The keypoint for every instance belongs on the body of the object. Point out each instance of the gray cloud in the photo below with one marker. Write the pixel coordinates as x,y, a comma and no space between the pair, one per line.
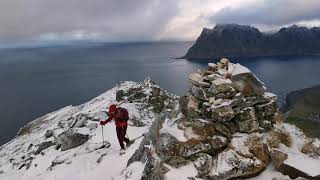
112,19
270,12
138,20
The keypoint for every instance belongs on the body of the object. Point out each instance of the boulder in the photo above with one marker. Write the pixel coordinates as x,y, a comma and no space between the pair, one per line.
48,133
71,139
198,92
222,88
248,126
212,67
231,165
119,95
259,150
246,114
278,157
222,112
224,61
295,165
44,145
266,125
266,110
192,108
247,83
197,79
212,77
155,91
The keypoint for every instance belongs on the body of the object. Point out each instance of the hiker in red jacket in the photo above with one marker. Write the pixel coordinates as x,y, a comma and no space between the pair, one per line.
121,116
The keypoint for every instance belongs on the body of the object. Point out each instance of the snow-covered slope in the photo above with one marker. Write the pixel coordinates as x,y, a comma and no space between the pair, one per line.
227,127
23,157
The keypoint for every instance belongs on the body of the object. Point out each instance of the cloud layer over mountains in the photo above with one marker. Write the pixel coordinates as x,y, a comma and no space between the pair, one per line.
143,20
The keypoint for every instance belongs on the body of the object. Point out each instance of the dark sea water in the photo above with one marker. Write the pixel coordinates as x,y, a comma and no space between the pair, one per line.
38,80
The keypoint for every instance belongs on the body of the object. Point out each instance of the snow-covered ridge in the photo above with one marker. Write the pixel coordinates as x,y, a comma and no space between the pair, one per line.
66,144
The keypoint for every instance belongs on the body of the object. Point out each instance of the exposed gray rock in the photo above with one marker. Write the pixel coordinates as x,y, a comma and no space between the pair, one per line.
223,112
266,110
155,91
192,108
48,133
43,146
248,126
71,139
248,84
246,114
222,88
143,153
154,170
119,95
200,93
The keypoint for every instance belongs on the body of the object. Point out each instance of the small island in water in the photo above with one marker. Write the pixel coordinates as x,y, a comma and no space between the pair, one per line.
233,40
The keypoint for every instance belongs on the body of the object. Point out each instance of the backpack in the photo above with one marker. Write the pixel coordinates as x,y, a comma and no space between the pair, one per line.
122,114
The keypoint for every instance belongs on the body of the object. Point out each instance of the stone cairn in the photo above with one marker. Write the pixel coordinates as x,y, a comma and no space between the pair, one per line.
231,94
223,100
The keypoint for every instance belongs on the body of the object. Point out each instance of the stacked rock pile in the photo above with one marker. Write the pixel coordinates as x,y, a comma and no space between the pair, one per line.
231,93
212,127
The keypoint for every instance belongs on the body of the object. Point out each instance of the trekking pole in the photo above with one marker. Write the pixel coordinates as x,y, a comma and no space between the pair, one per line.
102,136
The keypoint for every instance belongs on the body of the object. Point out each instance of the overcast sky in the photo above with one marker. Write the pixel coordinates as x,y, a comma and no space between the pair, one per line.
144,20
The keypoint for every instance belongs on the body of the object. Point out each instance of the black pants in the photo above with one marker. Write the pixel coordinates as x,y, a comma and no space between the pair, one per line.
121,134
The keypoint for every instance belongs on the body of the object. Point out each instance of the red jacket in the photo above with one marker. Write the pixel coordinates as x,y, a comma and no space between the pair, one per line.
118,115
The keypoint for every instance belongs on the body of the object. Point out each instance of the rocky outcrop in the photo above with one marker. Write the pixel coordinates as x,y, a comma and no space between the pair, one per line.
204,127
232,40
71,139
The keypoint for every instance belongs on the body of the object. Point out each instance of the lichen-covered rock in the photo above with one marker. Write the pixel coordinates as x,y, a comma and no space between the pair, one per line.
198,92
222,112
266,110
222,88
248,126
246,114
230,164
71,139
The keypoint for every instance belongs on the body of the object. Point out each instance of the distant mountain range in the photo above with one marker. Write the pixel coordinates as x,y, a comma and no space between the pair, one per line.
233,40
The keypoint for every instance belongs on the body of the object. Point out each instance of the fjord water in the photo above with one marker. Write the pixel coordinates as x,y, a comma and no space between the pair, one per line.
36,80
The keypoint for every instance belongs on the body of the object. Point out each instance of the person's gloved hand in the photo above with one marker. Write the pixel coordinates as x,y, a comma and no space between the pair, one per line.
102,123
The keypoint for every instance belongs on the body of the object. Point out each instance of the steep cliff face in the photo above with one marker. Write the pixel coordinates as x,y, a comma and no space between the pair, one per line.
232,40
